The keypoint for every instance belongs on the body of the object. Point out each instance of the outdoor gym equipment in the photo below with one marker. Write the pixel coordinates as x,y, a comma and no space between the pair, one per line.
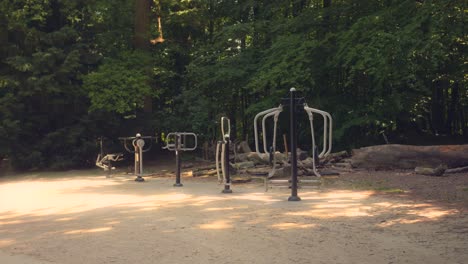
138,144
295,105
222,151
104,161
178,141
267,113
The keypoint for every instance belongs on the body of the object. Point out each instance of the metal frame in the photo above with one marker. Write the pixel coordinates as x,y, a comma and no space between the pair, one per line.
224,146
179,141
273,112
105,161
294,104
279,108
138,144
182,138
109,158
327,119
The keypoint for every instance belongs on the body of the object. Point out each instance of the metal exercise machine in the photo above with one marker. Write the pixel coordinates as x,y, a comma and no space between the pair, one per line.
177,142
222,152
105,161
138,148
274,112
295,105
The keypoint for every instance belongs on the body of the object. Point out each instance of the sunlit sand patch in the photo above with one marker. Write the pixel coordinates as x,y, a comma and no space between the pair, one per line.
285,226
64,219
260,197
219,209
413,205
432,213
14,222
400,221
346,195
340,196
6,242
9,215
63,197
420,215
336,205
220,224
332,213
93,230
146,209
225,208
383,204
402,205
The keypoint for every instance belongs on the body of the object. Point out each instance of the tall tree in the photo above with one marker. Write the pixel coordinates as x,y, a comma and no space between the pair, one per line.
142,37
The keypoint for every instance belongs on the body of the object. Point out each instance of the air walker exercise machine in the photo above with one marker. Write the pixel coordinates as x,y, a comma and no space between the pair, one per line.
105,161
177,142
295,105
222,152
138,144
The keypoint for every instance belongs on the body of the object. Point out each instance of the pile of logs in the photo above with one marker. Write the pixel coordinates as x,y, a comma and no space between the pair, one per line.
425,160
244,161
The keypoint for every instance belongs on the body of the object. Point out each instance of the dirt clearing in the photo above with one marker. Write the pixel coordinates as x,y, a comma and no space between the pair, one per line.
82,217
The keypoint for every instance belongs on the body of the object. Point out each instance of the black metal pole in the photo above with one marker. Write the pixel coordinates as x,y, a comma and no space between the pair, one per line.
227,184
292,121
177,154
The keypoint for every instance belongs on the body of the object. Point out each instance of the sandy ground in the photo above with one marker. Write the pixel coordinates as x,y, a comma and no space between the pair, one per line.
83,217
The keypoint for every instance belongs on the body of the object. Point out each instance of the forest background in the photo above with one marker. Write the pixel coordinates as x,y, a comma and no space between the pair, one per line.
72,71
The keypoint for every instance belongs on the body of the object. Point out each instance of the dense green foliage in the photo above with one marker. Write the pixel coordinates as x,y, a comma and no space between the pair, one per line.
71,71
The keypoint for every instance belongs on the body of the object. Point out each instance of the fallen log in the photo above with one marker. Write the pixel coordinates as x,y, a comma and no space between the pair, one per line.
244,165
334,157
394,156
208,167
263,171
203,173
264,158
457,170
241,179
439,171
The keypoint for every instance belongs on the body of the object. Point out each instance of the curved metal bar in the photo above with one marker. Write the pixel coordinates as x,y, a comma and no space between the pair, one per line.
149,147
327,129
126,146
311,118
126,139
223,161
265,145
170,147
256,127
325,122
178,136
185,134
225,120
217,160
272,172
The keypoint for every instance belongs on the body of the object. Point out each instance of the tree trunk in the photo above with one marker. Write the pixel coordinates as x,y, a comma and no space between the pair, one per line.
142,24
142,37
409,157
